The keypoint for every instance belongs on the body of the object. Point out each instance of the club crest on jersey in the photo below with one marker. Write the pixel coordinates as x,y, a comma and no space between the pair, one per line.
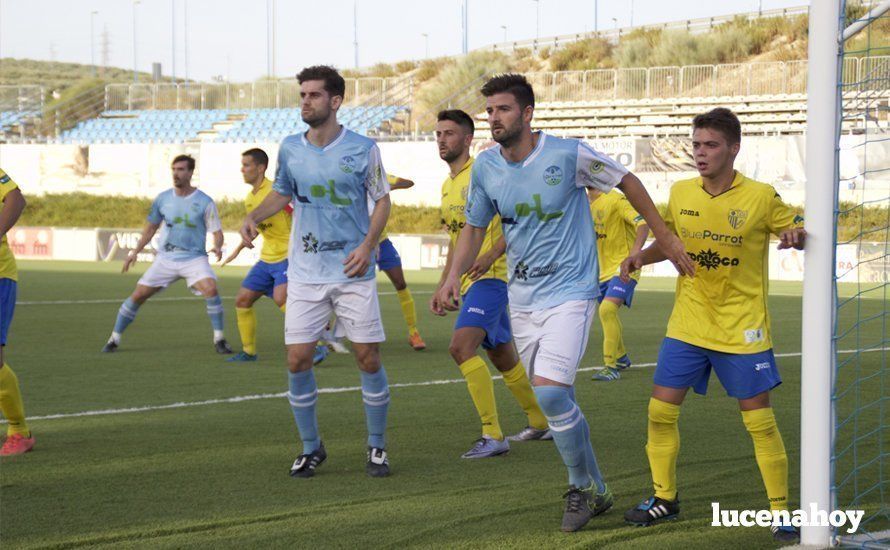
737,218
553,175
464,193
310,243
347,164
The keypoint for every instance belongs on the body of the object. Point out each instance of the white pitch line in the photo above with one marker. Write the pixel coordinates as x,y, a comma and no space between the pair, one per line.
161,299
242,398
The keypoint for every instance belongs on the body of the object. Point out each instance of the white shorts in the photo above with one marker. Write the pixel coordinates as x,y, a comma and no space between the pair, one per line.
309,308
162,272
552,341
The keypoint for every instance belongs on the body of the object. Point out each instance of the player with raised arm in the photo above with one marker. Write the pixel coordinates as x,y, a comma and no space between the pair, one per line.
620,232
333,174
19,439
483,319
268,277
184,214
536,183
720,319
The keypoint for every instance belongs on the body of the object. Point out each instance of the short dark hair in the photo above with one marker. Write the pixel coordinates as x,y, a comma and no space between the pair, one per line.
723,120
333,82
258,155
459,117
185,158
511,83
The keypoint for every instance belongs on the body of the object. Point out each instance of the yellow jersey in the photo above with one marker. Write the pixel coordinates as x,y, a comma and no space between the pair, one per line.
275,229
615,222
7,260
454,200
723,308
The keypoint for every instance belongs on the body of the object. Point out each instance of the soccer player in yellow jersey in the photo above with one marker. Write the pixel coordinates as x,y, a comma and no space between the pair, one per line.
268,277
19,438
620,232
483,318
720,319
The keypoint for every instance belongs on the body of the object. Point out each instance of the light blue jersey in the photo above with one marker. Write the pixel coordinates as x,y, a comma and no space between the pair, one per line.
551,245
332,188
185,222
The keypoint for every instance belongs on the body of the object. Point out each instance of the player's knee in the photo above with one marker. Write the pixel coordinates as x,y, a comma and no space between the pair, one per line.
298,361
460,350
661,412
139,296
554,400
243,301
367,358
760,421
608,310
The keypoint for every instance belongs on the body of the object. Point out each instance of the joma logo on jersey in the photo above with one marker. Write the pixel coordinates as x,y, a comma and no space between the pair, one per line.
685,212
185,221
737,218
712,260
320,191
347,164
524,209
310,243
553,175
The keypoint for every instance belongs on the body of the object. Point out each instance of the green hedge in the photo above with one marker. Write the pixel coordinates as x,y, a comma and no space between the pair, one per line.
83,210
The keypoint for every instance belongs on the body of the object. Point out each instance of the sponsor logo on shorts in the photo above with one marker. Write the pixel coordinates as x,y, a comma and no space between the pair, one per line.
476,310
762,366
617,288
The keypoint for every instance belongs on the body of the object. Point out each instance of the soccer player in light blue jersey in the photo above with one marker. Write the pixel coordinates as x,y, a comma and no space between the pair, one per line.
184,215
536,183
340,195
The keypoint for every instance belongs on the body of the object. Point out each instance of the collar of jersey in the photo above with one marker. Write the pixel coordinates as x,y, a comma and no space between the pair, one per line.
330,145
464,167
190,195
266,182
736,181
531,156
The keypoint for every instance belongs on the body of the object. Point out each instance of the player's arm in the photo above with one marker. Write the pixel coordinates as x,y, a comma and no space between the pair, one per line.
358,261
435,304
669,243
786,224
214,225
233,255
217,244
13,206
270,206
484,262
147,233
634,219
396,183
467,250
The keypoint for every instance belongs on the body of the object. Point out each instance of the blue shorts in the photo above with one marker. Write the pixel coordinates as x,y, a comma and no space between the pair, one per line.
7,306
743,375
387,256
264,277
485,306
616,288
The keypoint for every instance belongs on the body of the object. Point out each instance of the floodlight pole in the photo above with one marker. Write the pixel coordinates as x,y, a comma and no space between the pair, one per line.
135,74
355,30
173,39
92,41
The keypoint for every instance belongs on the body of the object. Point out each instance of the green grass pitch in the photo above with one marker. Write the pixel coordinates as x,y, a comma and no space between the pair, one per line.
207,475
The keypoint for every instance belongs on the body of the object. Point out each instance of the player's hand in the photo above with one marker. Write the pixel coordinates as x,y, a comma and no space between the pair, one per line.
792,238
248,232
449,294
436,305
632,263
218,253
672,247
481,266
129,261
358,261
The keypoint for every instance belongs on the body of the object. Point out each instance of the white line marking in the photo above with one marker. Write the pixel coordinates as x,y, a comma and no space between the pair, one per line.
242,398
161,299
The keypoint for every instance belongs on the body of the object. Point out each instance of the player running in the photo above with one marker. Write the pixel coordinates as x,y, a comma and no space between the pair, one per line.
19,439
268,277
483,318
720,319
620,232
536,183
187,214
333,174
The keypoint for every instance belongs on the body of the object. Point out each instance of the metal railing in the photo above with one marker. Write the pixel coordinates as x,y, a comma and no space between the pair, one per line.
21,98
264,94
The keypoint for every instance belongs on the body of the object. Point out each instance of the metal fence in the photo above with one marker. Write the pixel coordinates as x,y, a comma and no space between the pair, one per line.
731,79
21,98
268,94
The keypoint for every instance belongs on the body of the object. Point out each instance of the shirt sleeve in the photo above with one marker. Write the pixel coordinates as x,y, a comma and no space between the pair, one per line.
594,169
284,184
480,209
6,185
211,218
782,216
154,213
630,215
376,180
669,214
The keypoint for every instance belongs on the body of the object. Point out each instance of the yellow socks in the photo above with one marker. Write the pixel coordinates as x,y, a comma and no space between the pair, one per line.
770,453
11,402
408,312
613,342
247,328
663,447
518,383
481,389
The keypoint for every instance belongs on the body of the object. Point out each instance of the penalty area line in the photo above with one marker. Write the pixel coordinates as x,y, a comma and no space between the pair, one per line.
345,389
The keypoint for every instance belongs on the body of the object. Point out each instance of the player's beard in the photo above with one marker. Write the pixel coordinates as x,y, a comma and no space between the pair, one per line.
450,154
509,135
316,118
